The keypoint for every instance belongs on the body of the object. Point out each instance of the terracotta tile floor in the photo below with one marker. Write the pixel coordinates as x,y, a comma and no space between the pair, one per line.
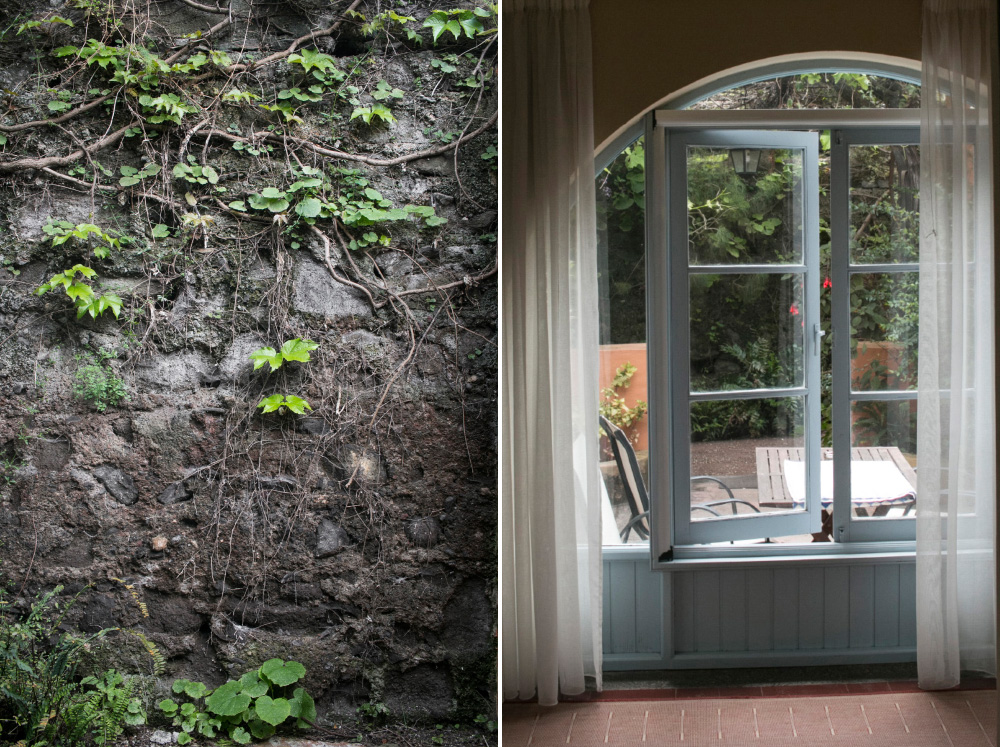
963,718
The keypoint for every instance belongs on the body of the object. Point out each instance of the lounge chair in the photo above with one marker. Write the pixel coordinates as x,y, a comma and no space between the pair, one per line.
635,488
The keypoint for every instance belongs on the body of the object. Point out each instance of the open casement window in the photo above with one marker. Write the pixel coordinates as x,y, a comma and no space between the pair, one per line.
782,318
744,333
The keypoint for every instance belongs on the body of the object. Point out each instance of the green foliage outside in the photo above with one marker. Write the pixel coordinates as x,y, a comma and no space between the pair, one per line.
613,405
735,339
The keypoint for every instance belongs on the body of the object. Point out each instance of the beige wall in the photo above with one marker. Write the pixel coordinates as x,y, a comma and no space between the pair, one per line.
645,50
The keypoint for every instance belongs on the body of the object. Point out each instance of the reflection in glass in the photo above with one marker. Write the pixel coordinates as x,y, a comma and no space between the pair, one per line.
885,204
746,331
737,452
884,458
884,334
754,218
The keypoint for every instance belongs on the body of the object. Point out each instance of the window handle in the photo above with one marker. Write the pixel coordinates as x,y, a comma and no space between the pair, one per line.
818,333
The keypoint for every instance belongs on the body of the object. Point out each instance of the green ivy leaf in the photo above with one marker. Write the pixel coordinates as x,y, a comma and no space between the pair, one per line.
296,404
161,231
184,738
58,106
238,205
266,355
228,700
280,672
272,711
191,689
253,685
303,708
272,403
294,350
259,729
240,735
168,706
128,181
309,207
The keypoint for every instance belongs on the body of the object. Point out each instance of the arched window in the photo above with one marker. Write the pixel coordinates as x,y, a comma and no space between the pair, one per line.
774,261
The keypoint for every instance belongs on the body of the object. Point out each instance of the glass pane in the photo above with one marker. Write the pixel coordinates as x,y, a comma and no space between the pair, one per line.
884,335
621,247
884,458
621,260
739,451
885,202
749,218
746,331
830,90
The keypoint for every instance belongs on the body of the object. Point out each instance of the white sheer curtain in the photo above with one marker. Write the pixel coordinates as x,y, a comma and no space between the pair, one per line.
956,625
551,519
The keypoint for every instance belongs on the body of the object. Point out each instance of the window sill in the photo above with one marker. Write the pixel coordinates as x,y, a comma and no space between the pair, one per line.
762,556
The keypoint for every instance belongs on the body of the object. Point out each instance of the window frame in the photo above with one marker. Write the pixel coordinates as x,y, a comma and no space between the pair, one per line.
856,537
808,520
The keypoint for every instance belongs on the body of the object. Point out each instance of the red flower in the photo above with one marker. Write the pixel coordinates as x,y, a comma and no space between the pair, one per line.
793,310
827,283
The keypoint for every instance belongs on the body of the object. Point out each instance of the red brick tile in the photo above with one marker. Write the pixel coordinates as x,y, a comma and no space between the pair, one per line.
740,692
803,691
693,693
868,687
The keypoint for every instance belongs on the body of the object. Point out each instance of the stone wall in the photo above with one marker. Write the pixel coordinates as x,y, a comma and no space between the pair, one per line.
358,538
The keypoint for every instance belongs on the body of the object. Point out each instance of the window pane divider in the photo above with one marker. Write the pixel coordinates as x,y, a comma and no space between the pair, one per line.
798,391
889,394
887,267
744,269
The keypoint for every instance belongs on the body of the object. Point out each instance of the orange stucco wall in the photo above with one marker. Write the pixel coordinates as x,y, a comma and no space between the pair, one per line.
644,50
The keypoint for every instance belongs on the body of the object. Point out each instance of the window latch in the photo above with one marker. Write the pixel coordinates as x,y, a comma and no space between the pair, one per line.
818,333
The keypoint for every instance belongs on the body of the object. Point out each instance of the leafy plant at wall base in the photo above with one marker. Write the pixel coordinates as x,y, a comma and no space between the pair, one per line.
244,709
41,703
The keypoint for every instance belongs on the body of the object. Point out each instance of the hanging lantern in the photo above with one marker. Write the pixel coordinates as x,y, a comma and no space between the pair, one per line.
745,160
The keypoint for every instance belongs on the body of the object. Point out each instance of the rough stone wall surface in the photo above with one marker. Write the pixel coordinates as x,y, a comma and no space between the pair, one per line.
357,538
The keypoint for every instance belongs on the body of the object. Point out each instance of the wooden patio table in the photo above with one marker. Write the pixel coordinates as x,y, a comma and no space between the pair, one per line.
772,488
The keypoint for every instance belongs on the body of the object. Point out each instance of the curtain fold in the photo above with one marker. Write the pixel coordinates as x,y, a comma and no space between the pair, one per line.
956,623
550,514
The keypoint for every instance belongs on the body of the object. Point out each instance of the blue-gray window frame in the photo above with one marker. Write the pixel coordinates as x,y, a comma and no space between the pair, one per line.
747,525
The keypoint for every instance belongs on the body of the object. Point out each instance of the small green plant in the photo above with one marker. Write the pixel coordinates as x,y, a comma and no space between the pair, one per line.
131,175
31,25
194,173
613,405
277,401
108,706
456,22
251,707
292,350
367,113
62,231
376,713
97,384
82,294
